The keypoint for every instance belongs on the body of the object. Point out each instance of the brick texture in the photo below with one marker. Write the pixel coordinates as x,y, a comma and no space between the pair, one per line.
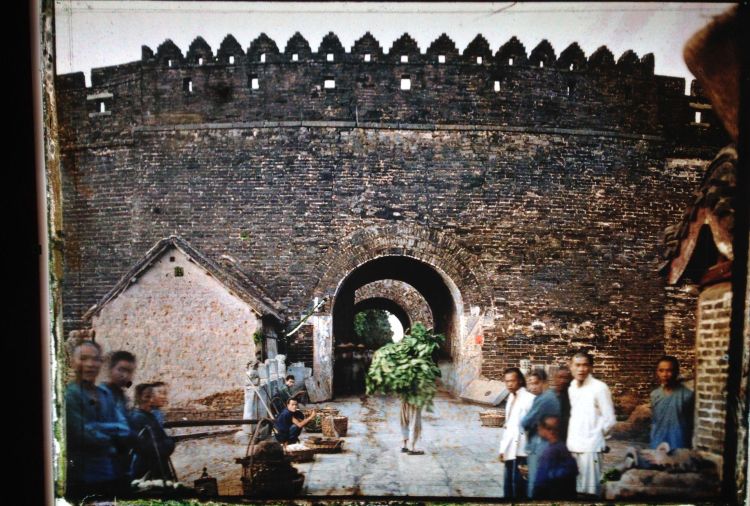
711,348
542,202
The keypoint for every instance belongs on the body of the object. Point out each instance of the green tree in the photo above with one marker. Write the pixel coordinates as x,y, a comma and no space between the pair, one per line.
373,328
406,368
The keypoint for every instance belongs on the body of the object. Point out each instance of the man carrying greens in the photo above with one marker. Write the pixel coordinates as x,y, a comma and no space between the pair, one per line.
408,370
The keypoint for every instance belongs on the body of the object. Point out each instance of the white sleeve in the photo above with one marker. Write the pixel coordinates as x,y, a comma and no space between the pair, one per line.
604,401
504,441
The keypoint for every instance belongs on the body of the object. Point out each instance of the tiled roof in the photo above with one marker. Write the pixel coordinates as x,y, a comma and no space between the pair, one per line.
226,273
714,206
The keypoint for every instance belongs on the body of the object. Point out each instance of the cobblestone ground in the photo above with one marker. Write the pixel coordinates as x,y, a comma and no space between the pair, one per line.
460,455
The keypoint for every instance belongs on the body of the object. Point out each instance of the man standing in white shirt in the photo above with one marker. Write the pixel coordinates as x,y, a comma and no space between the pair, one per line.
592,415
513,442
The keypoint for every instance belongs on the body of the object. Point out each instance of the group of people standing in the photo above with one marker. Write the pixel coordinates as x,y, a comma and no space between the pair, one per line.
109,443
554,438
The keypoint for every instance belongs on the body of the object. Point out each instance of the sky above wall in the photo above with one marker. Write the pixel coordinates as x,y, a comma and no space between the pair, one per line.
94,34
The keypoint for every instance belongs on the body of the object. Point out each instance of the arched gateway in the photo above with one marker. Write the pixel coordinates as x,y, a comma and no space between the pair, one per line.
439,270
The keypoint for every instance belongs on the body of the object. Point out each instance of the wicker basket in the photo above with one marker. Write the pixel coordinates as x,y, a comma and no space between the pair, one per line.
282,487
299,456
314,425
325,445
492,418
267,471
335,426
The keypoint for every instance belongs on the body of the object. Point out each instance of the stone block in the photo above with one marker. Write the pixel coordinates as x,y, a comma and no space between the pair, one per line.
273,367
483,391
299,372
315,392
263,372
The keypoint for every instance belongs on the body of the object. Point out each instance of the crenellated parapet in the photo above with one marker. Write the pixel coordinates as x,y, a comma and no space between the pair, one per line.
230,51
509,88
511,53
297,47
542,55
368,45
445,47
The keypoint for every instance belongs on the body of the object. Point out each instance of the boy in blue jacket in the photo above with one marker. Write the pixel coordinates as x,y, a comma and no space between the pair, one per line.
557,469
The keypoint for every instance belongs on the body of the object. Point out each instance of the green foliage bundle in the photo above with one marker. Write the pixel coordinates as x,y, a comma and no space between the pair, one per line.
373,328
406,368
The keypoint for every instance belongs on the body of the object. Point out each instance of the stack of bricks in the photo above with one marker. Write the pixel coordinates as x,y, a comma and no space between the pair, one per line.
227,404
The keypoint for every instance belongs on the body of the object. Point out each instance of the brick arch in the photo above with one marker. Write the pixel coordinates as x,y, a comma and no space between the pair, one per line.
433,247
402,294
449,277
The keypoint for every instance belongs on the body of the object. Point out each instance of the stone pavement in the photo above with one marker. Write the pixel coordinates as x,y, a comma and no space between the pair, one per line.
460,455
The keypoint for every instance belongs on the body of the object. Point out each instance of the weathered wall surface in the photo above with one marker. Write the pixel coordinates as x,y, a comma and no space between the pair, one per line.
711,348
555,184
567,240
680,325
185,330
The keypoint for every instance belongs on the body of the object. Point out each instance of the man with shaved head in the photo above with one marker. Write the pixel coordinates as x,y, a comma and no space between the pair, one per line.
592,415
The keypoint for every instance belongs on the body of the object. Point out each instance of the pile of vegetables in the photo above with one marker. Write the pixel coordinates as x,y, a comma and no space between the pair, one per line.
406,368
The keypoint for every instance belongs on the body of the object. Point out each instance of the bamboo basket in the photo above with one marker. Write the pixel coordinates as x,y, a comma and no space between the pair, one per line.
325,445
492,418
314,425
335,426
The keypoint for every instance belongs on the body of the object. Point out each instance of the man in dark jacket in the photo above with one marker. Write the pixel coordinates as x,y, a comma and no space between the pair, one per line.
290,422
153,447
557,469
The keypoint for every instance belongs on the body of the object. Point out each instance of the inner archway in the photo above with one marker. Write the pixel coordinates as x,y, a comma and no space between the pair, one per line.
400,294
434,286
385,304
374,327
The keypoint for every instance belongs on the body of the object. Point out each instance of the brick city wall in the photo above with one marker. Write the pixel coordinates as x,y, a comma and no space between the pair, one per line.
510,87
559,196
712,346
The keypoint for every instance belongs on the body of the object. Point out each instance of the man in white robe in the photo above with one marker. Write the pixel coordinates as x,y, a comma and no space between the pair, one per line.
513,443
592,415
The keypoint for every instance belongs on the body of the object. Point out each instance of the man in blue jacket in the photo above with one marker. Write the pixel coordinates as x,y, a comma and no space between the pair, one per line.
121,368
671,407
153,447
94,433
